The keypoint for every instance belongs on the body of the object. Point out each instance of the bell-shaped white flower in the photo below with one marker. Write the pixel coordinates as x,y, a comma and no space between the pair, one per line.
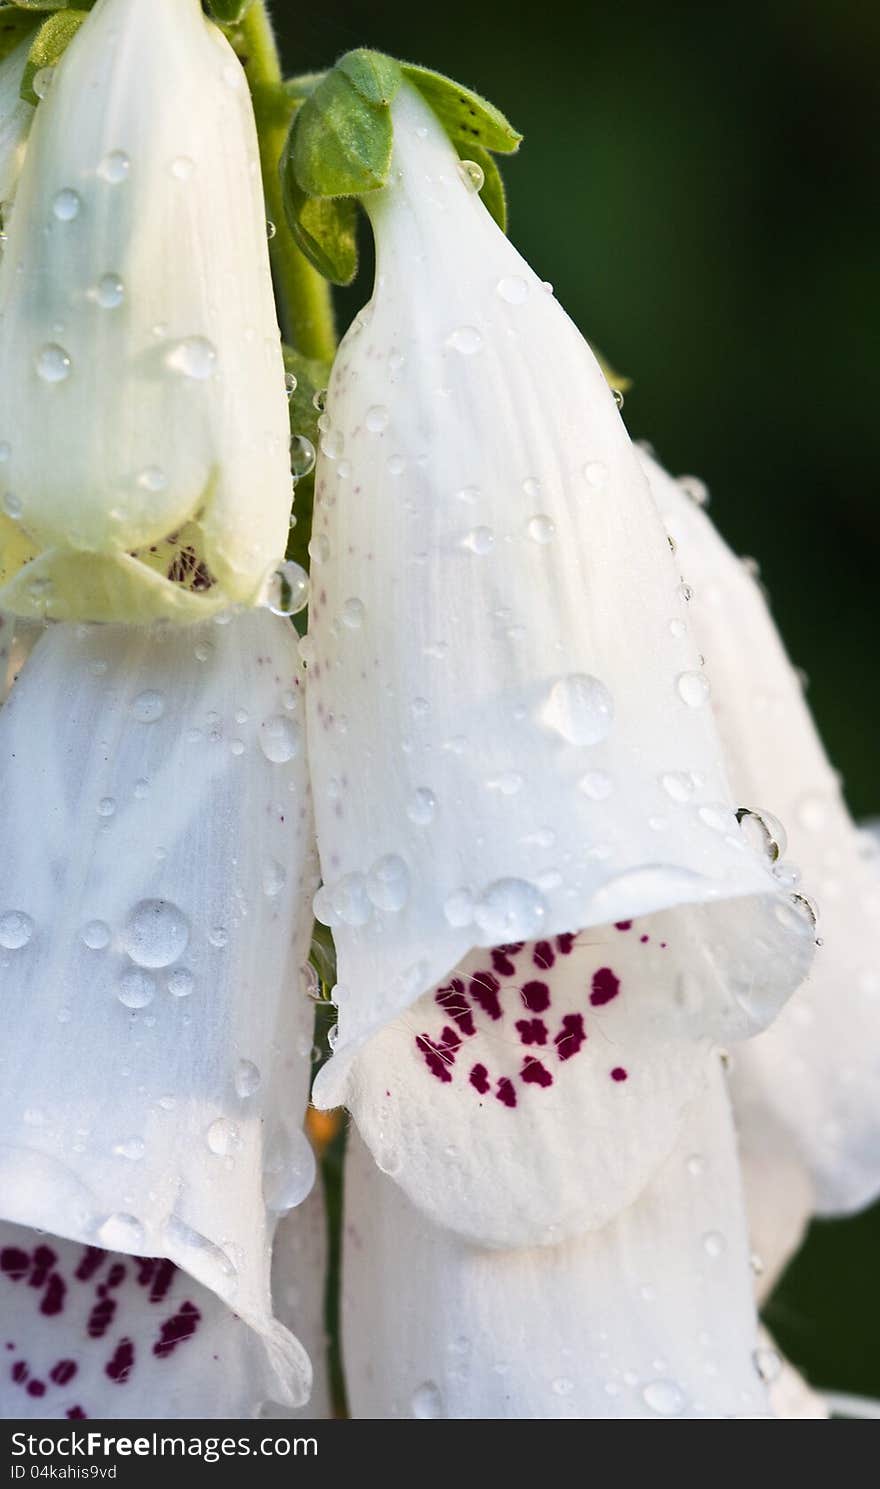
155,889
810,1086
512,742
92,1333
650,1317
15,121
143,422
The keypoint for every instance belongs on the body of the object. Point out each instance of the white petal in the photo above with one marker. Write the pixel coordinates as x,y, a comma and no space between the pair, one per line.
142,232
509,720
651,1316
816,1074
15,120
792,1397
299,1279
157,860
91,1333
533,1095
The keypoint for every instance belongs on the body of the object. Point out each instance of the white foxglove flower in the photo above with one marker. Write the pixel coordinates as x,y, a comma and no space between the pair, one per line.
650,1317
512,743
155,887
143,421
92,1333
15,120
810,1086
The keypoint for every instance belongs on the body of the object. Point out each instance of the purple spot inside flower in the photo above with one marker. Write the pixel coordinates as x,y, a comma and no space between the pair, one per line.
571,1036
543,955
75,1414
182,1326
535,1074
14,1262
44,1261
53,1298
163,1279
536,996
618,1073
19,1372
63,1372
119,1366
605,987
623,925
36,1388
439,1056
456,1006
565,943
502,957
505,1093
91,1260
532,1031
100,1318
479,1078
484,989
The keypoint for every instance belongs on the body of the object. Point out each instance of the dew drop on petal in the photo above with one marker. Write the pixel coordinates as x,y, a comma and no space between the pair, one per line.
693,688
302,457
148,706
247,1078
714,1244
458,908
509,910
376,419
353,614
96,935
288,591
115,167
332,443
466,340
16,930
195,357
595,473
182,168
280,739
289,1170
472,174
479,540
580,709
66,204
152,478
597,784
120,1232
388,883
110,292
223,1137
136,988
181,982
427,1402
664,1397
53,363
422,806
156,933
541,529
513,289
42,81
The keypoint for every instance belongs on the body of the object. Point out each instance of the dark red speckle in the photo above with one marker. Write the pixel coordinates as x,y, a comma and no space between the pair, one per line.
505,1093
182,1326
535,1074
484,989
543,955
571,1036
479,1078
118,1367
605,987
623,925
532,1031
63,1372
456,1006
618,1073
536,996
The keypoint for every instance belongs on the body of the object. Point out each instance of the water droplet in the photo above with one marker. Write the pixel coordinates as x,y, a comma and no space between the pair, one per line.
466,340
595,473
541,529
422,806
120,1233
288,591
617,395
764,832
115,167
271,229
513,289
696,1165
376,419
332,443
148,706
678,784
106,806
353,614
508,783
696,489
472,174
195,357
302,457
96,935
509,910
218,936
247,1078
151,478
693,688
200,1257
132,1148
664,1397
182,168
180,982
66,205
289,1170
479,540
223,1137
156,934
110,292
12,506
458,908
319,548
136,988
280,739
388,883
53,363
16,930
597,784
562,1386
580,708
714,1244
427,1402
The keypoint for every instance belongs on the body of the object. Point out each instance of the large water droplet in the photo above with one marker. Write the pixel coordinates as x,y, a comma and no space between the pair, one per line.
764,832
136,988
156,934
66,205
388,883
541,529
115,167
288,1170
580,708
280,739
302,457
53,363
288,591
509,910
42,80
223,1137
148,706
664,1397
513,289
110,292
16,930
181,982
96,935
195,357
472,174
247,1078
349,900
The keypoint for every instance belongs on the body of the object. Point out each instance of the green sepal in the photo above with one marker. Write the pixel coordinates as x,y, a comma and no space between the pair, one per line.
311,377
325,229
340,144
49,46
300,88
15,25
492,193
229,12
468,119
323,957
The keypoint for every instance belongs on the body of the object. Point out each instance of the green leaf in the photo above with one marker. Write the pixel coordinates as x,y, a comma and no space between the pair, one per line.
492,193
325,228
228,11
311,377
15,25
467,118
340,144
49,46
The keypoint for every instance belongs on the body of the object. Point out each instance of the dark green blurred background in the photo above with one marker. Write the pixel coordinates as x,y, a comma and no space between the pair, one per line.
699,183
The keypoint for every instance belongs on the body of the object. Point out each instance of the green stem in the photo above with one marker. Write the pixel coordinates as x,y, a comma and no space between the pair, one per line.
305,307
